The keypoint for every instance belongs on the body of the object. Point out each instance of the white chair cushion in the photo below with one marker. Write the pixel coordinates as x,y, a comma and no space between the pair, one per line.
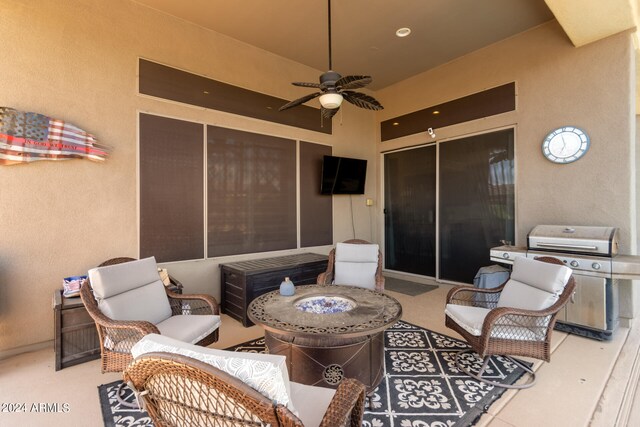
362,274
471,320
520,295
356,264
266,373
542,275
468,317
311,402
147,302
131,291
189,328
355,252
118,278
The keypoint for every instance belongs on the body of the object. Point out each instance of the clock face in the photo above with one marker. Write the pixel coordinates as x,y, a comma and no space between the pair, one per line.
565,145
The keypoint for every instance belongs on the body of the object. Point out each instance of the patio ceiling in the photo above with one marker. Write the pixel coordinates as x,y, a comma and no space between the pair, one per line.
363,31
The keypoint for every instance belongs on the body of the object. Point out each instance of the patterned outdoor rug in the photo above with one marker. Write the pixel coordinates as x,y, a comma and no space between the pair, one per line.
421,386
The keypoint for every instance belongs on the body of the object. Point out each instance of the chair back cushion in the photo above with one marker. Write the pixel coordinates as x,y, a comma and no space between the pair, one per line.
266,373
356,264
131,291
534,285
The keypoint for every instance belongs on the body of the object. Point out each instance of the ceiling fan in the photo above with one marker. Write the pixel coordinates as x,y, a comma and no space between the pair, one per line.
334,88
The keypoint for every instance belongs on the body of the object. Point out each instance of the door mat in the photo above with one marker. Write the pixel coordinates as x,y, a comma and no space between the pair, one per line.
421,385
406,287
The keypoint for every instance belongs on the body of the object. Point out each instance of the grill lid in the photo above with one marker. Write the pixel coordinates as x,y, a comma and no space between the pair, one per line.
576,240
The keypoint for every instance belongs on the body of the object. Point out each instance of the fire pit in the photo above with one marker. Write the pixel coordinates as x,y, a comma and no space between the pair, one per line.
328,332
323,304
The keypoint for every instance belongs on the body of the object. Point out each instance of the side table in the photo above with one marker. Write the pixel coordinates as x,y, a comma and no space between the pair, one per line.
75,334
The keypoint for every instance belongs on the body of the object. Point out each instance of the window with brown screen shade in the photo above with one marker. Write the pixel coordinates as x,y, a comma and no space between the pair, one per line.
486,103
316,218
251,189
177,85
171,189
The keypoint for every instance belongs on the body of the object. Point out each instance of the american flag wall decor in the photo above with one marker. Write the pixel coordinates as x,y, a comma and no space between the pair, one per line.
28,137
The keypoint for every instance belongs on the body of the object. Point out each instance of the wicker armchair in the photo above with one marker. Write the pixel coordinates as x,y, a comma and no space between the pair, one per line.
118,336
177,390
491,327
328,277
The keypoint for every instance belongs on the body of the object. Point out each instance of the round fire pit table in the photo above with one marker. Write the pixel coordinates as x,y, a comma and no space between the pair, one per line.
328,332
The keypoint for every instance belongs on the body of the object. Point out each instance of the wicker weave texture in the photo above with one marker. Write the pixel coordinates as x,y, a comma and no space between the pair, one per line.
181,391
509,331
326,278
117,337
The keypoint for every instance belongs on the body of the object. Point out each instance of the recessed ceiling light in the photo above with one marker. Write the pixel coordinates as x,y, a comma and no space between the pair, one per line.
403,32
205,92
396,123
435,112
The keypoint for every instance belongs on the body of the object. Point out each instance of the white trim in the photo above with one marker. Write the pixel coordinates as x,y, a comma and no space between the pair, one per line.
298,235
205,196
225,126
138,186
205,124
513,127
437,212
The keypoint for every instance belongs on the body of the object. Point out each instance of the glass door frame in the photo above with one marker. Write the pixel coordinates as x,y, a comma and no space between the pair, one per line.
437,193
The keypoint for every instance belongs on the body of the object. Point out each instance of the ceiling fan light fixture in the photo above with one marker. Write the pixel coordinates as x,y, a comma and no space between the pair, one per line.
403,32
331,100
334,88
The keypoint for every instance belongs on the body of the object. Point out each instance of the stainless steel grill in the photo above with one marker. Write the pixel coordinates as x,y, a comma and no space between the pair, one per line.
601,241
592,254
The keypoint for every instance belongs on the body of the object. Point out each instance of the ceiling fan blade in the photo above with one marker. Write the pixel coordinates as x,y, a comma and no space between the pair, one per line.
361,100
306,84
299,101
328,113
353,82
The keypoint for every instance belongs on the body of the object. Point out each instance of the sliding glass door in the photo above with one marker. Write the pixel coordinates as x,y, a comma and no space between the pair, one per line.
410,210
468,209
476,208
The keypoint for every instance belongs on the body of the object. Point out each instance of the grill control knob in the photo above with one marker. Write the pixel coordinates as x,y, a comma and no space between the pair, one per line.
596,266
574,263
505,255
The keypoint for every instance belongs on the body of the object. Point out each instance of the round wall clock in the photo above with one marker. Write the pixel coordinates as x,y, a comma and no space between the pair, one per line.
565,145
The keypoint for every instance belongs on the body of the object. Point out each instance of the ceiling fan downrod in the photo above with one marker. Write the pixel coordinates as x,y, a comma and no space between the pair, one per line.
329,15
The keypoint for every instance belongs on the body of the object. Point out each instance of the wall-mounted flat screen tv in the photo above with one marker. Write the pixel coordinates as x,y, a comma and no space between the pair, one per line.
342,175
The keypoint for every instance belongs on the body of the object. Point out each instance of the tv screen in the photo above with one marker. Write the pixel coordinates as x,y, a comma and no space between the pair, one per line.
342,175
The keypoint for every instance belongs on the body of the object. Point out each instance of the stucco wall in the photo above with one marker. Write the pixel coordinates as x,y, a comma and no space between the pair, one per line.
76,60
591,87
556,85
